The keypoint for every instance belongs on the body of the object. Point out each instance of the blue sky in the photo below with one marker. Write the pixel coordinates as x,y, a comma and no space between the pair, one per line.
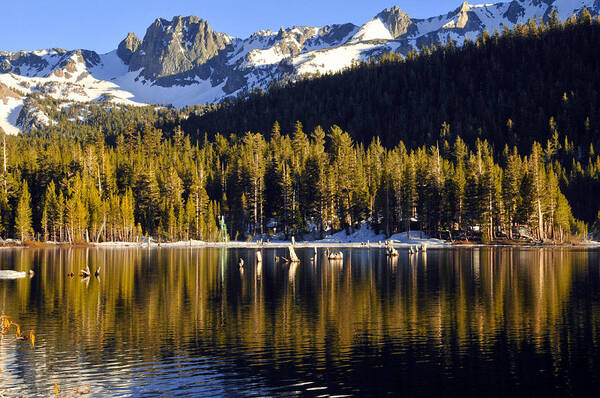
101,24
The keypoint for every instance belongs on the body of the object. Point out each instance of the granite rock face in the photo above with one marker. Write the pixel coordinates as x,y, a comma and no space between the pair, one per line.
397,21
128,47
176,46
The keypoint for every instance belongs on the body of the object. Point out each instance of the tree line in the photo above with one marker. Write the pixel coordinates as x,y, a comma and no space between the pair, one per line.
79,189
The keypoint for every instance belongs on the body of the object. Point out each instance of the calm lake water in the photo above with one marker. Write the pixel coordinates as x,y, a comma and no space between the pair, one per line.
169,322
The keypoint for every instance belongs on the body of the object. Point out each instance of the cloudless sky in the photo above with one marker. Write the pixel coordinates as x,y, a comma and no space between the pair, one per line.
101,24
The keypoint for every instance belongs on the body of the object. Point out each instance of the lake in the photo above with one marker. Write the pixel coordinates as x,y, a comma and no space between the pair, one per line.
169,322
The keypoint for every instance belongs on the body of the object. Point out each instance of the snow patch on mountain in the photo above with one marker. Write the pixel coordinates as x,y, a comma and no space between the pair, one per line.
372,30
201,92
110,67
9,113
339,58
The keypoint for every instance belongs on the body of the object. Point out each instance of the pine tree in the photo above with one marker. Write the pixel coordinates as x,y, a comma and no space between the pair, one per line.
146,194
538,182
551,200
51,217
344,164
458,197
473,198
172,223
409,192
189,222
511,184
23,215
127,214
254,146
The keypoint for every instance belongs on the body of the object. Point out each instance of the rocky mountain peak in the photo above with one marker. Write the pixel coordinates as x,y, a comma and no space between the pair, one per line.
128,47
397,21
463,15
176,46
464,18
464,7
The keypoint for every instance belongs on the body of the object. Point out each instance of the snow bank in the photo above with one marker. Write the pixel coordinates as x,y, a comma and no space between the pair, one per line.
363,234
361,237
416,238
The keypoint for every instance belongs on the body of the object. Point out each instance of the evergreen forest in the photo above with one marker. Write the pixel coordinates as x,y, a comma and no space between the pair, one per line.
62,188
492,137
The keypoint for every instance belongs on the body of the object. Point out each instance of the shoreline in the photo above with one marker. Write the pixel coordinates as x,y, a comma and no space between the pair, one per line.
340,245
193,244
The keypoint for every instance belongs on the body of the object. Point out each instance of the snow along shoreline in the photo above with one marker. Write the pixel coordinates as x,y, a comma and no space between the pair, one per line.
270,245
416,243
361,238
340,245
196,244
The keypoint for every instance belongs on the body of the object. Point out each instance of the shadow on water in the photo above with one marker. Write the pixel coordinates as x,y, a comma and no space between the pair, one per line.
492,321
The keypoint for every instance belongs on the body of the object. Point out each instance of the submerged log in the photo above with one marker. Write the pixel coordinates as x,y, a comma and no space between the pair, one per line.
85,273
334,255
391,252
293,257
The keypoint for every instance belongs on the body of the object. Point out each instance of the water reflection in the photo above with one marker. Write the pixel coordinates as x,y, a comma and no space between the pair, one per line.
188,321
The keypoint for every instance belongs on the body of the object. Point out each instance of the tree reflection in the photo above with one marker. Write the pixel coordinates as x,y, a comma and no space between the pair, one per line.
149,304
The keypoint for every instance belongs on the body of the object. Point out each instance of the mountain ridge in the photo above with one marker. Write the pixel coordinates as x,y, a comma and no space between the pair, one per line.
185,62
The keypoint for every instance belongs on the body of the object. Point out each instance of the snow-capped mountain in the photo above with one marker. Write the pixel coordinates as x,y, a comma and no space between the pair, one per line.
184,62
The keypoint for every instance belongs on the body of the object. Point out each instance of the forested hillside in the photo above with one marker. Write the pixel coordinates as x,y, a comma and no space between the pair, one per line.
503,87
498,134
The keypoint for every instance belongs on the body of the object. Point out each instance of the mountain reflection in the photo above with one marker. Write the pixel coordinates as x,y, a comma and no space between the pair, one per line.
193,317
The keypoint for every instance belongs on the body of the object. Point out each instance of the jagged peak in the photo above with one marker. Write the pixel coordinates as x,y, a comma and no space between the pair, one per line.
463,18
176,46
131,37
395,20
128,47
464,7
178,21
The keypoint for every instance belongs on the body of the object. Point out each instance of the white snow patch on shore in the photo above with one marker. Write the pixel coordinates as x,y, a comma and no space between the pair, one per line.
361,235
359,238
416,238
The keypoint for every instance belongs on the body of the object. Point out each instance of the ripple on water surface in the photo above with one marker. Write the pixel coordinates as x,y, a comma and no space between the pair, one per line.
187,322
